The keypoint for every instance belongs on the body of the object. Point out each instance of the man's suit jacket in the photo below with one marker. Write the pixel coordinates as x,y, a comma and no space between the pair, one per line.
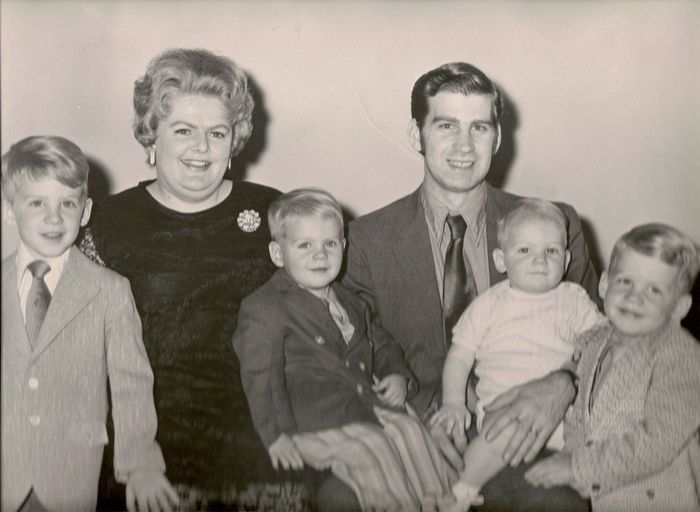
390,265
54,398
298,373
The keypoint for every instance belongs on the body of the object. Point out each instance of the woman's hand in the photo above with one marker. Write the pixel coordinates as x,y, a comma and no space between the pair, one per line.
392,389
284,453
538,407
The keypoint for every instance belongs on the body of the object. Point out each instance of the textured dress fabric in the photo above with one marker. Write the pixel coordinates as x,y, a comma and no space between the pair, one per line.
189,273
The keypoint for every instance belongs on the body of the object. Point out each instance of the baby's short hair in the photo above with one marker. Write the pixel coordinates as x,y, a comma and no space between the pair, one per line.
531,208
302,202
665,243
43,156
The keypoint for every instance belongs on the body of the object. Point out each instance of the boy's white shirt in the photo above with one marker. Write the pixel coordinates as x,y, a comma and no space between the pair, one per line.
345,326
554,319
24,276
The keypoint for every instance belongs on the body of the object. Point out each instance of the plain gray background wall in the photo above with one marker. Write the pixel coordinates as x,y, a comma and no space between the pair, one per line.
603,96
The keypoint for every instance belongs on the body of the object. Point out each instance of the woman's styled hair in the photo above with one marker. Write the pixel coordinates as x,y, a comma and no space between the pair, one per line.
181,71
456,77
43,156
531,208
302,202
664,243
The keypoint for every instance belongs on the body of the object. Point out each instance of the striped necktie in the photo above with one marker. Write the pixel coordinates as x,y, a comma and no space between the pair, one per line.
459,286
38,300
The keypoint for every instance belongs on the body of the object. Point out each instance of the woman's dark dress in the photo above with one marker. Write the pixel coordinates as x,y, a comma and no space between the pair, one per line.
189,273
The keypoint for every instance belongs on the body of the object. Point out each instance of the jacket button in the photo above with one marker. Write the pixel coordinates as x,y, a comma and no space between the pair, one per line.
34,420
360,389
33,383
595,487
347,363
362,366
650,493
319,340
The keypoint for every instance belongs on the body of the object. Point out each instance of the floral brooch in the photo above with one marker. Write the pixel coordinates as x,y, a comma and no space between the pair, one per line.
249,220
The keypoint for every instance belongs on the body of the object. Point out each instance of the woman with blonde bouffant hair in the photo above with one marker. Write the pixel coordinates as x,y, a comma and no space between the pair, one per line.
193,243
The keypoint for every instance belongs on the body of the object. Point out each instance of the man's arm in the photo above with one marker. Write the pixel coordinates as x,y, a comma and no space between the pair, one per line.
388,355
580,268
538,407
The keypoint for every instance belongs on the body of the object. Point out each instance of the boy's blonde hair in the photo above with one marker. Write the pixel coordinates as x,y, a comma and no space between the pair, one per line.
531,208
302,202
665,243
43,156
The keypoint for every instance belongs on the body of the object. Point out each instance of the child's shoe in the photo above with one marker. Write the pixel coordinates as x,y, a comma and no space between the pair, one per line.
464,496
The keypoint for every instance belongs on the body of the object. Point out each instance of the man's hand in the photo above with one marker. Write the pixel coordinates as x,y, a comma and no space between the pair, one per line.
283,452
538,407
553,471
454,418
150,490
392,389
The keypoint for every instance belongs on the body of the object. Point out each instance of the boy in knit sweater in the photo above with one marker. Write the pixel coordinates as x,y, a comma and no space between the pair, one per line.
632,434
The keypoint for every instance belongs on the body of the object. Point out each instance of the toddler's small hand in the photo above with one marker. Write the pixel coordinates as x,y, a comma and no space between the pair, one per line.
455,419
392,389
283,452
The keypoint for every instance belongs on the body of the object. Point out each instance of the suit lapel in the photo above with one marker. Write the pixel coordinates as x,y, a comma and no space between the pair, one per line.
12,320
77,286
308,310
413,259
352,308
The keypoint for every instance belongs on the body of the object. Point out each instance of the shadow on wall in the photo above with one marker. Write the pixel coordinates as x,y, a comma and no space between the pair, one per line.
503,159
258,138
692,319
99,184
99,187
593,246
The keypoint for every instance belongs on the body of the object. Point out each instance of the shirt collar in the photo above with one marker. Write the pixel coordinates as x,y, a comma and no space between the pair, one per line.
474,213
646,341
24,258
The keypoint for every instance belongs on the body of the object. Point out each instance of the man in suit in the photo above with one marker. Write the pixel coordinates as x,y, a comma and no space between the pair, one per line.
68,324
456,112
